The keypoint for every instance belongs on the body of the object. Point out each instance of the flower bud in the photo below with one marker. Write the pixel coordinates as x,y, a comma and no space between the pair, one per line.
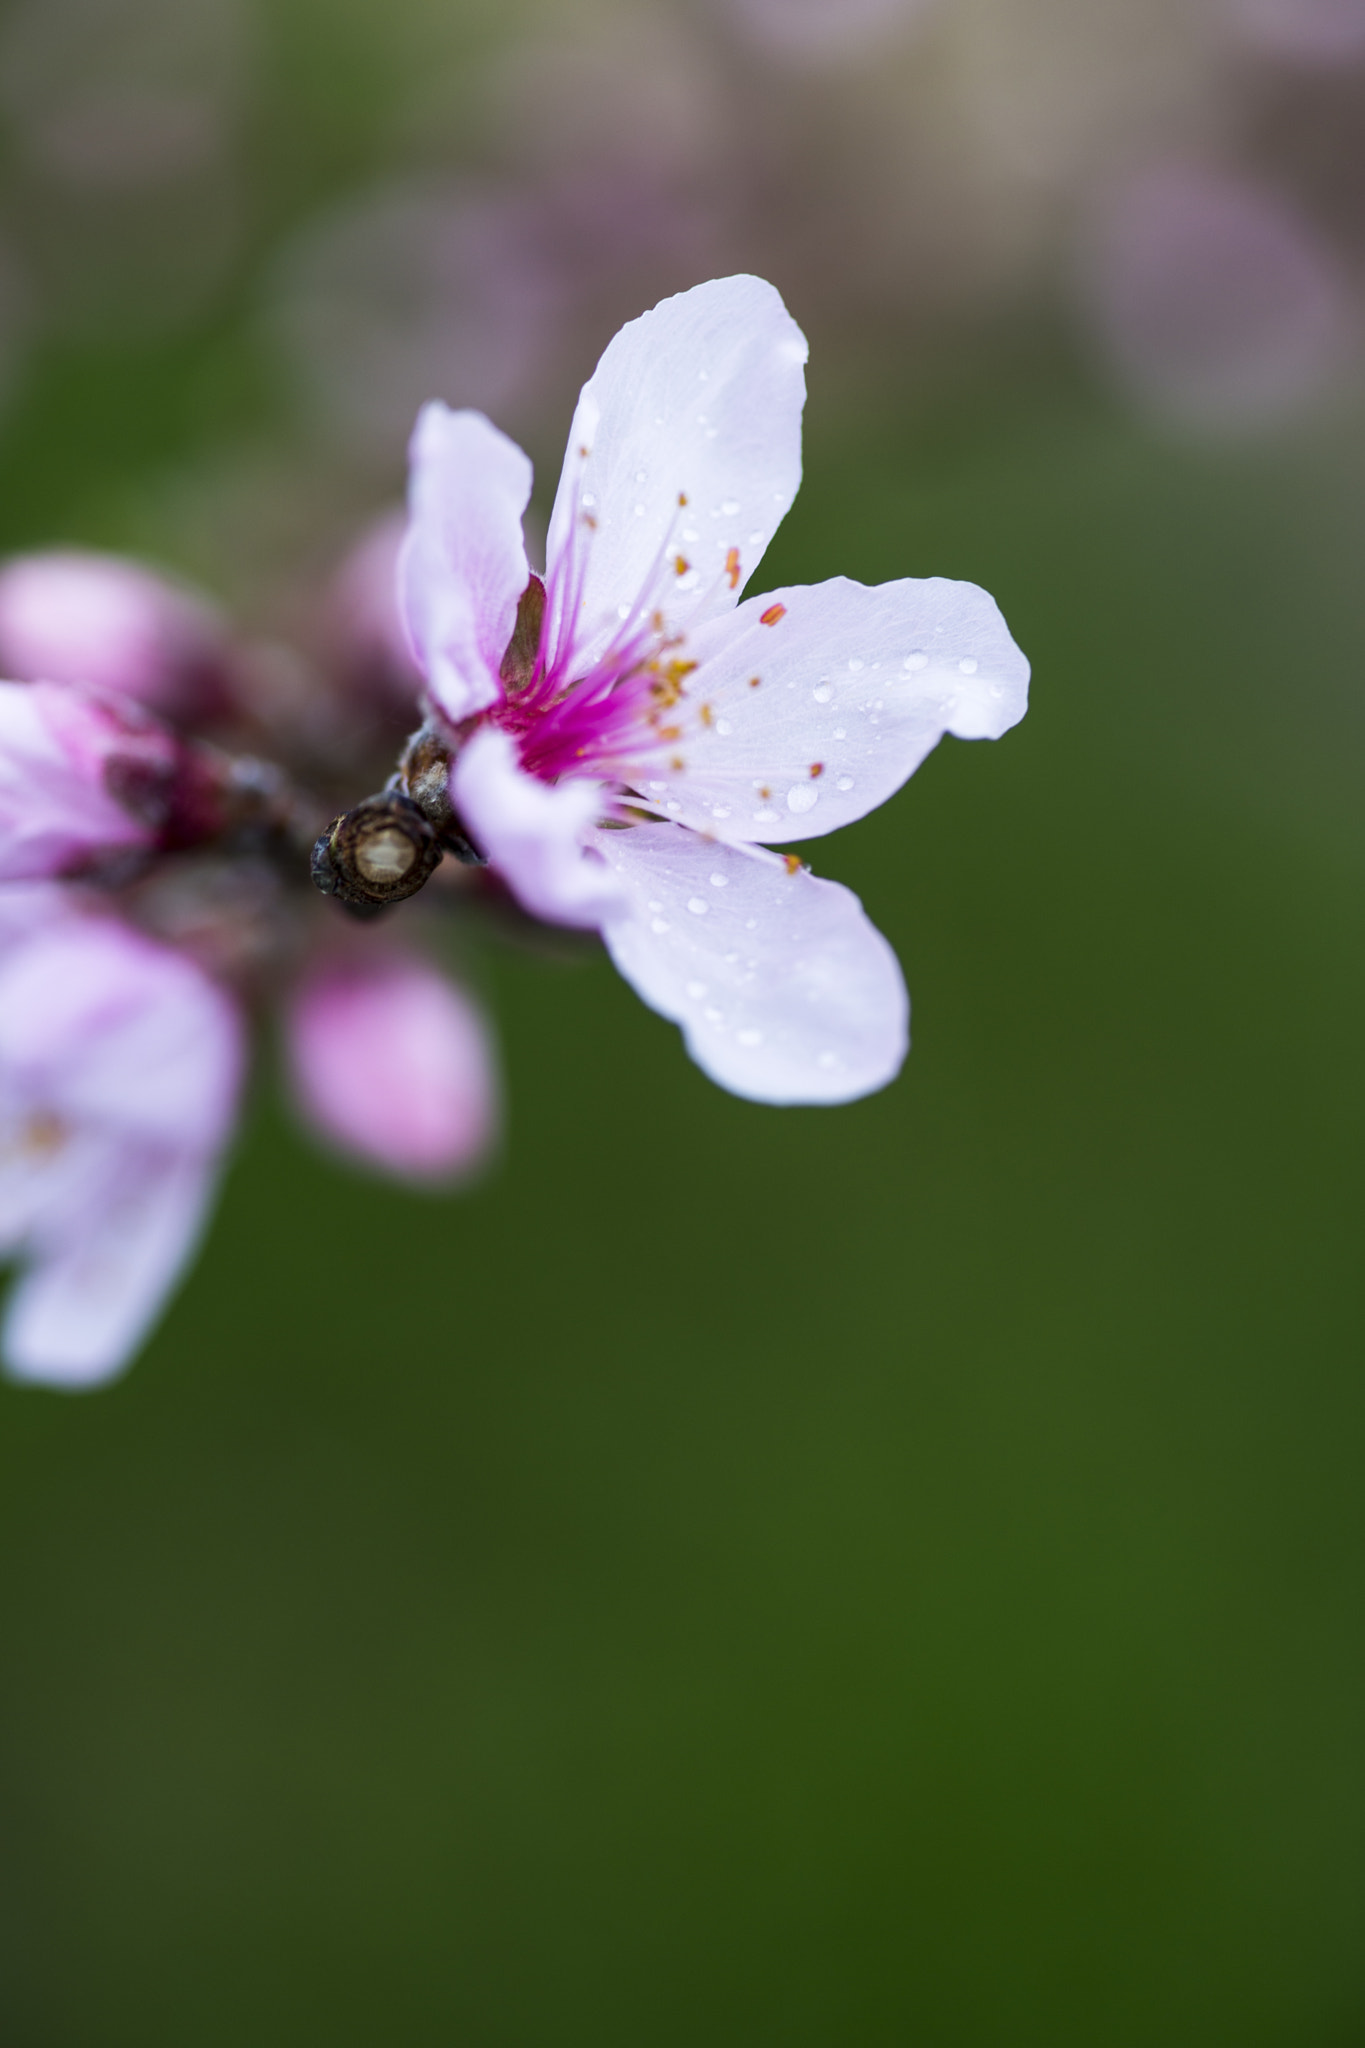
81,776
393,1063
67,616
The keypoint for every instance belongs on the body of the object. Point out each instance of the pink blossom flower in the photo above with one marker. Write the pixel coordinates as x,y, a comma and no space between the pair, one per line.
393,1063
68,616
81,774
625,736
120,1063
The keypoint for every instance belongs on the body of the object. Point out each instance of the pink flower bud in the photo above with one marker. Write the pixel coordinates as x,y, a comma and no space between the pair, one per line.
80,775
72,617
393,1063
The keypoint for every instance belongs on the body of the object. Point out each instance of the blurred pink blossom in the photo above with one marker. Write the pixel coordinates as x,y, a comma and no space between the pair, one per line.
365,621
67,755
812,32
1217,304
1311,31
120,1067
70,616
394,1064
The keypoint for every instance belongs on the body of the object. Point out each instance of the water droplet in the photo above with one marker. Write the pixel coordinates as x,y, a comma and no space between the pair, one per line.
703,376
714,1016
697,905
802,797
658,926
997,690
855,666
639,511
729,508
750,1037
767,817
724,727
756,539
828,1059
824,693
656,906
913,661
641,475
839,733
588,498
673,805
690,533
968,666
720,881
844,782
696,989
656,785
623,611
751,924
720,810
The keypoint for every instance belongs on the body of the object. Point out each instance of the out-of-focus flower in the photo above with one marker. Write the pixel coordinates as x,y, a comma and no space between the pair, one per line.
636,729
1310,31
120,1066
394,1064
1216,303
364,622
382,302
71,616
823,31
80,774
122,93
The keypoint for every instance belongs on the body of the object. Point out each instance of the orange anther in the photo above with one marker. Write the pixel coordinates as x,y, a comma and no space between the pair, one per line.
817,769
772,615
732,567
792,862
754,682
681,564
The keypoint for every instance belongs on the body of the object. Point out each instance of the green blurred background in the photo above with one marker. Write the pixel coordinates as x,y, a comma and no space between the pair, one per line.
885,1575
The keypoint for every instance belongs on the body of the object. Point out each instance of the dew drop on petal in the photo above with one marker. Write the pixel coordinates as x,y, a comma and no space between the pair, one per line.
855,666
750,1037
697,905
639,511
914,661
656,906
729,508
801,797
673,806
845,782
658,926
588,498
720,810
823,694
696,989
720,881
969,666
724,727
714,1016
623,611
751,924
828,1060
656,785
767,817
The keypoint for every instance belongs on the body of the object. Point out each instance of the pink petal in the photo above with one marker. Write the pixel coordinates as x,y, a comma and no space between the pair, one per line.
120,1066
784,990
464,562
699,399
532,833
796,726
67,616
94,1287
102,1026
394,1063
56,746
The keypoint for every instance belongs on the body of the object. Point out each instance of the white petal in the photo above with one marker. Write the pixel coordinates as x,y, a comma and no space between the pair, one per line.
463,565
102,1026
699,398
532,833
793,728
92,1291
784,990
